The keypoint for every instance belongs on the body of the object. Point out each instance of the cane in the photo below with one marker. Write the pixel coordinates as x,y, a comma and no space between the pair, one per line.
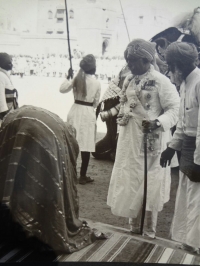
145,131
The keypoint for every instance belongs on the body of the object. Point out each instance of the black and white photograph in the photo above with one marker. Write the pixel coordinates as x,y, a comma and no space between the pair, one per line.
100,131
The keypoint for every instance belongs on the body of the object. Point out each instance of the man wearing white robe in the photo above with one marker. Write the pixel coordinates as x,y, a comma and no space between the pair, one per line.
182,59
146,94
8,95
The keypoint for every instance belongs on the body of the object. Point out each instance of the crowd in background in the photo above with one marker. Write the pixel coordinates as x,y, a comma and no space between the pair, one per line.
52,65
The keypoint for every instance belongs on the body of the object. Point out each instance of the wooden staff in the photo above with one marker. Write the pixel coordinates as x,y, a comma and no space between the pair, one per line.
125,21
68,38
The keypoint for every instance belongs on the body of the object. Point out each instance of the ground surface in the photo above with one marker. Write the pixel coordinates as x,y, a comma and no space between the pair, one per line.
44,92
92,198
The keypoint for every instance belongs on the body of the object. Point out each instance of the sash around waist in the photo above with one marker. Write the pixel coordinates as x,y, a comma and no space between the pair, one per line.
187,155
83,103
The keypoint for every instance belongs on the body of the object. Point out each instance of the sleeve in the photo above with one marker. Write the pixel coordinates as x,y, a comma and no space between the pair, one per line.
97,96
177,139
3,104
66,86
170,103
197,150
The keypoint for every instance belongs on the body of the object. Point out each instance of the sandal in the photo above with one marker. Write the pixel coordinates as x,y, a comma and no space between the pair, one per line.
188,248
85,179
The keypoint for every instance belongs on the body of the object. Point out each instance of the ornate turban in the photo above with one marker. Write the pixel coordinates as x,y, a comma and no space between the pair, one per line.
141,48
88,62
181,51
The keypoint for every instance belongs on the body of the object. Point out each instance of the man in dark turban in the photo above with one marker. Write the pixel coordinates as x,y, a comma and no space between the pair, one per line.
181,53
181,58
88,63
140,48
149,95
8,95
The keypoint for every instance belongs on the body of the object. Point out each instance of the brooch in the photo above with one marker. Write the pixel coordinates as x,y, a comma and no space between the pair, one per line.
148,85
147,106
148,96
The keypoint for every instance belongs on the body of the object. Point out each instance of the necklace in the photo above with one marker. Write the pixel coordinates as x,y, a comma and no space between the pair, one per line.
126,113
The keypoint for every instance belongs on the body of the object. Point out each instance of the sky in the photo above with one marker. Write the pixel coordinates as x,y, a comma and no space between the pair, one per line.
175,7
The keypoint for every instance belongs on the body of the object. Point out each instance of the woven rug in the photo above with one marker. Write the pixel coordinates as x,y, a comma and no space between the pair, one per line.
119,247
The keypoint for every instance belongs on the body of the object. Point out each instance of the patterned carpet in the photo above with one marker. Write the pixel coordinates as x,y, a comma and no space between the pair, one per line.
121,246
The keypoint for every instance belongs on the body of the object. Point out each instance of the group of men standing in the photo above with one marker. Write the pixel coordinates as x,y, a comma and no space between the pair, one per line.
150,102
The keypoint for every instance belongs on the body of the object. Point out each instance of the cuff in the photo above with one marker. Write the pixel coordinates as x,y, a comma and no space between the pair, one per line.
164,121
175,144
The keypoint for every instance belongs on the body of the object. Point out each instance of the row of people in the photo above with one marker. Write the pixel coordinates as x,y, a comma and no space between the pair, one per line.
57,66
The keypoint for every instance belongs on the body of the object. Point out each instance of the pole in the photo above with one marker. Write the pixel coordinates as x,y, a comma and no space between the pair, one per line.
124,20
145,184
68,38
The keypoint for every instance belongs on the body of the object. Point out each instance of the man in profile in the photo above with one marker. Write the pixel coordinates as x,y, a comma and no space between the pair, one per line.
182,60
8,94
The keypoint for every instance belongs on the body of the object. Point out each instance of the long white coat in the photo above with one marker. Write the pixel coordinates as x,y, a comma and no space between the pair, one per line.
125,192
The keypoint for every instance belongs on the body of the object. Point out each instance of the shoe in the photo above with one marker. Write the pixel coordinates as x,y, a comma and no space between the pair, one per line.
134,230
188,248
152,236
85,179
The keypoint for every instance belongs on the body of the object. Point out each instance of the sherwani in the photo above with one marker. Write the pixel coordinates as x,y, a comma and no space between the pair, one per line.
125,195
186,221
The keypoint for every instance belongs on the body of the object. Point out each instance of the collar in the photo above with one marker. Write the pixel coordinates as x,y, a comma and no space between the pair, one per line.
89,76
6,73
191,76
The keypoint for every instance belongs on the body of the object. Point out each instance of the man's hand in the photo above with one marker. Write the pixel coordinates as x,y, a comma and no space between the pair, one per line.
149,125
70,73
166,156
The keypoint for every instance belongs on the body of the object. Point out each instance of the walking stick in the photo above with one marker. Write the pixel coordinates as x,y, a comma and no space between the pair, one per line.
125,21
69,49
145,181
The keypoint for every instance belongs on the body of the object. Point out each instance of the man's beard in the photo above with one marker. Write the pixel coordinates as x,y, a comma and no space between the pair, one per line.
176,77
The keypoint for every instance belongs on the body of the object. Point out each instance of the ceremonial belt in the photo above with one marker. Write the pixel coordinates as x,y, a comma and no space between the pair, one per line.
187,157
83,103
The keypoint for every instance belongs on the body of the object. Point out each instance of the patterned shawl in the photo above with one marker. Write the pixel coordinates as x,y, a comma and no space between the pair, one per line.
38,178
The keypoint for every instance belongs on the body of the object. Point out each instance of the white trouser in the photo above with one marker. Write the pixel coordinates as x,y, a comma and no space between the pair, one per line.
149,223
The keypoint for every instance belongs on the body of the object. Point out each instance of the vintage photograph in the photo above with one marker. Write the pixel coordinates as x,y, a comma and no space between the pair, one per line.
100,131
